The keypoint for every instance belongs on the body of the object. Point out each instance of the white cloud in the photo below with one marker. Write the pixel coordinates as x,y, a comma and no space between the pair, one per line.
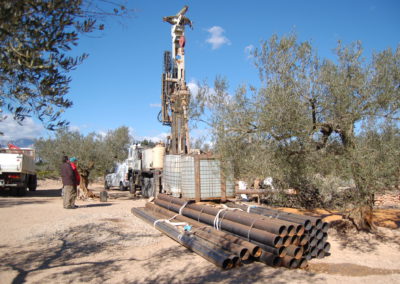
248,50
162,137
13,131
217,39
74,128
155,105
193,87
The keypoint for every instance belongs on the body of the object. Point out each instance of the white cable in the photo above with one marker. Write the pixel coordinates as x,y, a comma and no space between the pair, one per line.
217,222
183,206
168,221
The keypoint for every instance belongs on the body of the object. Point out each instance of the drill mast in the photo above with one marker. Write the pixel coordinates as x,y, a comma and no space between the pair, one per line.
175,95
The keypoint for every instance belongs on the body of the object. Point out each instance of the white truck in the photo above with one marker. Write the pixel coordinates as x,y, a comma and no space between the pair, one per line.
17,170
118,178
145,167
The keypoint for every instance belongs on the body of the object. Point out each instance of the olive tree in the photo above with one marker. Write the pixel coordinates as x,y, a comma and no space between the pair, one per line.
306,118
95,153
36,37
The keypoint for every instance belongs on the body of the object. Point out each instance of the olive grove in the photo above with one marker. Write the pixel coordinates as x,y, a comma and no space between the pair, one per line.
315,125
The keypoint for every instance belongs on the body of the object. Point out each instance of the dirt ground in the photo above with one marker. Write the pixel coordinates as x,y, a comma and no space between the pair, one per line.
40,242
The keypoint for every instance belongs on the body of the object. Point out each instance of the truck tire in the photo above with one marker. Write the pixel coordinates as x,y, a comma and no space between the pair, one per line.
121,186
21,191
32,183
132,186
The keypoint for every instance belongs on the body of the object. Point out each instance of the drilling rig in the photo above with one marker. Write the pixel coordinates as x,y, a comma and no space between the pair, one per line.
175,96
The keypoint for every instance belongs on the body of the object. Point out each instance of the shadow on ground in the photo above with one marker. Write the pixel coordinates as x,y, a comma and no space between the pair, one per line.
76,255
68,256
365,242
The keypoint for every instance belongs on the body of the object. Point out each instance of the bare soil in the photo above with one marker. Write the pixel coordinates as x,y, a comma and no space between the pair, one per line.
102,242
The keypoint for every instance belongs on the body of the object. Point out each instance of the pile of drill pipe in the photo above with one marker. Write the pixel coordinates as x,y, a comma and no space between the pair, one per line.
316,230
212,253
282,242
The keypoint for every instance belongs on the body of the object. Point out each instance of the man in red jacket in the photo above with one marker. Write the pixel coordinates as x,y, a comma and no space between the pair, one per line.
73,161
69,182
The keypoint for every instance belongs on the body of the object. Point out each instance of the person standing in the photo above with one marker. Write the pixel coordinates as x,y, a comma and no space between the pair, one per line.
72,162
69,182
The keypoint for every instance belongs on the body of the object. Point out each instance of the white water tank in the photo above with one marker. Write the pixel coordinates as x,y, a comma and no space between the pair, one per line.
158,156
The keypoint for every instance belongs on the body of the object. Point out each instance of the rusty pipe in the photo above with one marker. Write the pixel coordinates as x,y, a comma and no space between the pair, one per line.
242,252
281,252
236,228
270,259
241,217
289,262
303,263
295,251
253,249
217,257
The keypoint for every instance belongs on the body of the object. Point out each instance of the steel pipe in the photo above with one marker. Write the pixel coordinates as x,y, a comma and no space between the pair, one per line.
253,249
240,217
303,263
242,252
295,251
218,257
300,219
289,262
238,229
327,247
281,252
270,259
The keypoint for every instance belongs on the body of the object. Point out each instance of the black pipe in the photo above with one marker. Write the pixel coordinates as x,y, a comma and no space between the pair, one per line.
294,251
242,252
289,262
270,259
240,217
281,252
253,249
217,257
236,228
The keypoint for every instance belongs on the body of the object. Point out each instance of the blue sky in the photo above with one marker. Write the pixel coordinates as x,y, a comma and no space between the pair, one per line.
120,83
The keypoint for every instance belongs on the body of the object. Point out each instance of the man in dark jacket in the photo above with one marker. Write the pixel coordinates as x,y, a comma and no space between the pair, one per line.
69,183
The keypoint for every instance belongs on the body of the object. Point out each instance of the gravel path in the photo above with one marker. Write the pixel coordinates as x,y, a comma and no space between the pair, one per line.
40,242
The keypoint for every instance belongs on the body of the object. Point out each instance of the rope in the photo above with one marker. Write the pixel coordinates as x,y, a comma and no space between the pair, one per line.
251,227
183,206
168,221
249,207
217,221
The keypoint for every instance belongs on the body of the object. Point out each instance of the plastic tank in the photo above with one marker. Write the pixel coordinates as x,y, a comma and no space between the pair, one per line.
147,159
158,156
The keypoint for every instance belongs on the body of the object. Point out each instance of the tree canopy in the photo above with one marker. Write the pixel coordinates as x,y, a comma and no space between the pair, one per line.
311,118
96,153
36,37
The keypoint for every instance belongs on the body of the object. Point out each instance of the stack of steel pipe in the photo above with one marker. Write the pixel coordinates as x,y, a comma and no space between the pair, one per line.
282,242
206,249
316,230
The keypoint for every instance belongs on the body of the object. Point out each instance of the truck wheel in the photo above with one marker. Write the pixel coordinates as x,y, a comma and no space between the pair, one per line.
21,191
121,186
132,186
32,183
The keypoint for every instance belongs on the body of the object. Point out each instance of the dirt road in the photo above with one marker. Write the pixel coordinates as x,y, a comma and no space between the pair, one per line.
40,242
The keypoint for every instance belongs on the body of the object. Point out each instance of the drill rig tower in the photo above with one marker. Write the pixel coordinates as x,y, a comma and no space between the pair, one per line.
175,94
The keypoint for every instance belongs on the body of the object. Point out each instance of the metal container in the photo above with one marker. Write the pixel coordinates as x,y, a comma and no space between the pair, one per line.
198,177
172,174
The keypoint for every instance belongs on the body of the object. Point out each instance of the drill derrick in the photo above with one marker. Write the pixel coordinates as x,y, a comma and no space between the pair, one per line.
175,95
